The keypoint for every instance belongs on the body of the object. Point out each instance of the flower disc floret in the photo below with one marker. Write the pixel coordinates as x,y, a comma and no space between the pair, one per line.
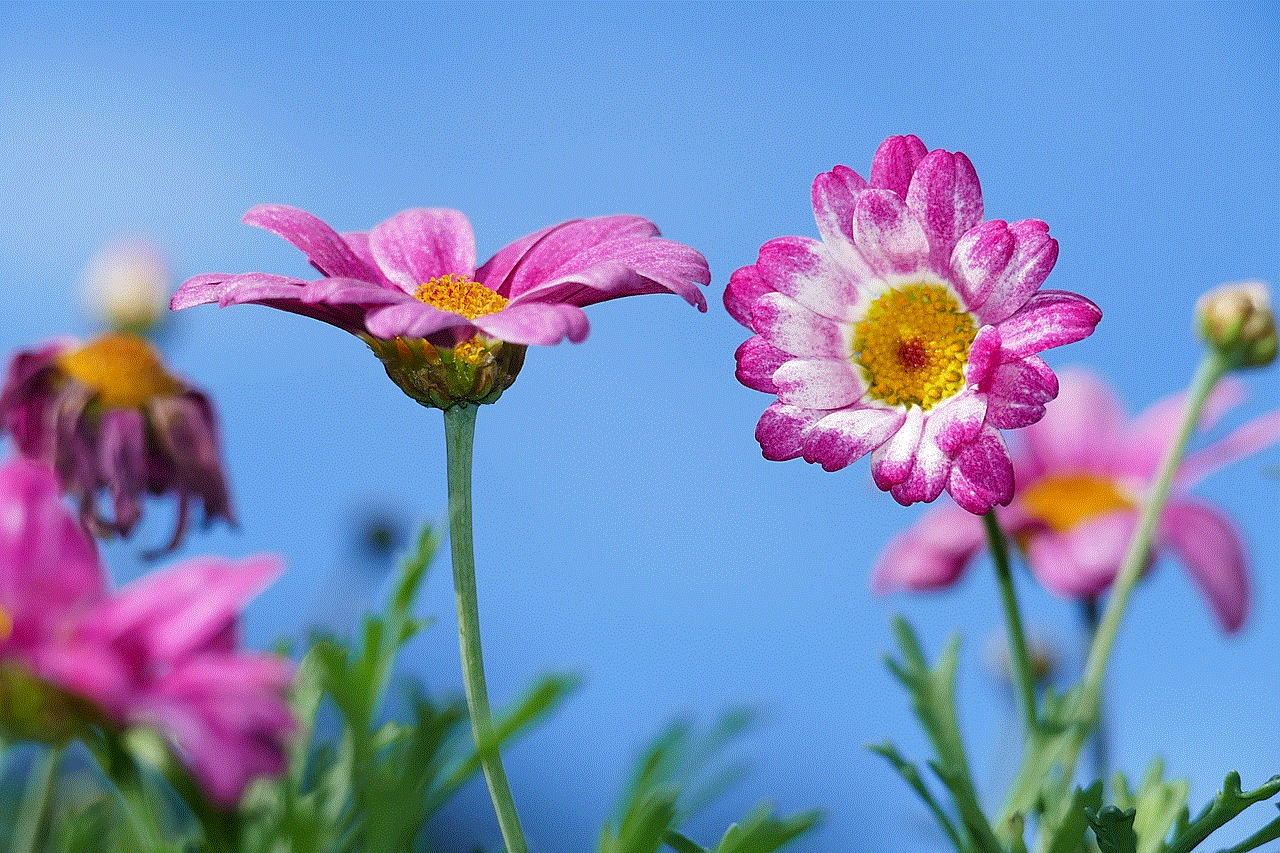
913,345
1063,501
461,295
122,371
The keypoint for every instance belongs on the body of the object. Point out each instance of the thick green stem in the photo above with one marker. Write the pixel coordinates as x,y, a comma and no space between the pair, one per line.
459,435
1019,658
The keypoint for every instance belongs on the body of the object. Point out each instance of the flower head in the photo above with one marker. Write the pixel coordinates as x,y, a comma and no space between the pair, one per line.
1237,321
161,652
910,331
446,330
126,285
110,418
1082,473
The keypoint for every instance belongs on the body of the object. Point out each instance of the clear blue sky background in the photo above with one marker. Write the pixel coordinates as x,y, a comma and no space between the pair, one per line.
628,528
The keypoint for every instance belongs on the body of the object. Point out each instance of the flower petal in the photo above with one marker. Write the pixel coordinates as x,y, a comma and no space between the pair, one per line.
888,235
932,553
350,291
895,162
1078,432
745,287
793,328
757,361
834,195
1018,391
818,383
945,196
1261,432
892,461
802,269
1048,319
328,252
781,431
842,437
1210,546
982,474
495,273
412,319
997,267
1084,560
535,323
417,245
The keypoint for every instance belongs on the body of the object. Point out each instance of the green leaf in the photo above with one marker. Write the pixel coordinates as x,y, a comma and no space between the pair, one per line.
1113,827
1159,805
911,774
1229,802
1065,822
761,832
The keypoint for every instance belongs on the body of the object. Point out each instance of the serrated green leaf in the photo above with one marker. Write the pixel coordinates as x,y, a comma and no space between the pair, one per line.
1113,828
1228,803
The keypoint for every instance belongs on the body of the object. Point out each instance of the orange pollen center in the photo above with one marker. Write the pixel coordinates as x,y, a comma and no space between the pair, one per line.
460,295
6,624
122,370
1062,501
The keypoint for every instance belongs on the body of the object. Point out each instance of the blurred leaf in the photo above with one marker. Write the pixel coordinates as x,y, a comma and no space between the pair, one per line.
1159,805
1228,803
1113,828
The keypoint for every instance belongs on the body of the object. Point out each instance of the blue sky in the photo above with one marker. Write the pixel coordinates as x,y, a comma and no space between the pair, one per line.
627,527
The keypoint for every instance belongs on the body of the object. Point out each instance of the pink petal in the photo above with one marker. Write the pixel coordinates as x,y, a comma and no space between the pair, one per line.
227,289
412,319
757,361
888,235
350,291
834,195
895,162
1080,427
1048,319
1142,447
1082,561
932,553
781,431
982,474
793,328
496,272
535,323
947,199
1210,546
1018,391
745,287
999,266
803,269
328,252
415,246
1261,432
892,461
122,464
842,437
819,383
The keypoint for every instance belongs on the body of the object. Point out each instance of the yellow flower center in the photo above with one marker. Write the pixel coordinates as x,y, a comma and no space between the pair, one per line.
913,345
1063,501
6,624
123,371
461,295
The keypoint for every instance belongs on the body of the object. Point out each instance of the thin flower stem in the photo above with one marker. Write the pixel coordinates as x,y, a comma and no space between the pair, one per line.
35,801
1020,658
1207,375
459,435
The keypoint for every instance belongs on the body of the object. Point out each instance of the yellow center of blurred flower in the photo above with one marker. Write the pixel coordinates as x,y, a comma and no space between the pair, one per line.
1063,501
461,295
122,370
913,345
6,624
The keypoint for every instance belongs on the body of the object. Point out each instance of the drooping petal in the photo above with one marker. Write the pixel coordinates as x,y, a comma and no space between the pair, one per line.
793,328
781,431
535,323
895,162
186,438
745,286
1259,433
888,234
842,437
757,361
945,196
803,269
932,553
325,249
982,474
892,461
1048,319
122,464
997,266
1018,391
1210,546
819,383
420,244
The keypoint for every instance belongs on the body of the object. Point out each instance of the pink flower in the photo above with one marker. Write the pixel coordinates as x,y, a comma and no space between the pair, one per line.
1082,474
161,652
910,331
109,418
411,288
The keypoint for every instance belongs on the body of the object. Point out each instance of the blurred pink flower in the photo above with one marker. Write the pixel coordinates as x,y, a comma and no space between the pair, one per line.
161,652
1082,472
108,417
910,330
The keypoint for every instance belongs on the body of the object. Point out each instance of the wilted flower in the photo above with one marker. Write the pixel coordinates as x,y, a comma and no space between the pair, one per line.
127,285
446,331
110,418
909,331
161,652
1082,473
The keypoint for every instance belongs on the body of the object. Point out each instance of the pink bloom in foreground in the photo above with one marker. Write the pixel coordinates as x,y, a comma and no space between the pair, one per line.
161,652
110,419
1082,474
910,331
413,279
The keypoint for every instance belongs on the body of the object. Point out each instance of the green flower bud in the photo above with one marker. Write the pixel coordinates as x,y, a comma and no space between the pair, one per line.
1237,321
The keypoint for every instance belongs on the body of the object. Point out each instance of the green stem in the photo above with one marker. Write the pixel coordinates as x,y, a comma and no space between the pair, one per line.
1020,659
35,801
459,435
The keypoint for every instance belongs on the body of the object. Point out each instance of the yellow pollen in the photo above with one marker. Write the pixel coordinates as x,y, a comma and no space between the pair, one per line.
461,295
913,345
1063,501
122,370
6,624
